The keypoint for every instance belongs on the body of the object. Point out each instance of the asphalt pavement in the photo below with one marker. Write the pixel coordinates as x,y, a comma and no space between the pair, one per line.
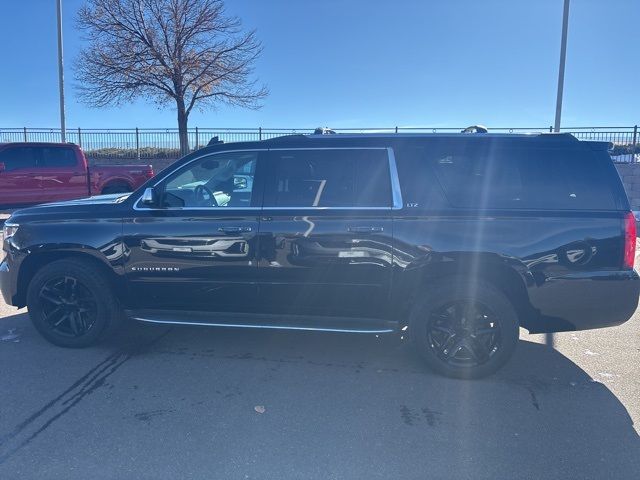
186,402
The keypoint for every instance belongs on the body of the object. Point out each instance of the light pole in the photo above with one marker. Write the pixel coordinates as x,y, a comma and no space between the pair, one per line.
61,73
549,337
563,57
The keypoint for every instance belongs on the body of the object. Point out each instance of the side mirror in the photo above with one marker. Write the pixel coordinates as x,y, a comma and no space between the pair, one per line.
149,197
2,167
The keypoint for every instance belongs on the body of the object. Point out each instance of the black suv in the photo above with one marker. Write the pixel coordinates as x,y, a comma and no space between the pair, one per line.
455,240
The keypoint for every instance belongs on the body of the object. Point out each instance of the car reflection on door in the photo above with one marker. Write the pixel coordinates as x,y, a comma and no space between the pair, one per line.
339,248
189,247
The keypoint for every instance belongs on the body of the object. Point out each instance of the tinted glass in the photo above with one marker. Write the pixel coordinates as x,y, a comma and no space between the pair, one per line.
329,178
15,158
527,178
224,180
58,157
420,187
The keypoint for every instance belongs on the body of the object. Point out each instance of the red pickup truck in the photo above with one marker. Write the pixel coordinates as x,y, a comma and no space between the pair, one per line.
45,172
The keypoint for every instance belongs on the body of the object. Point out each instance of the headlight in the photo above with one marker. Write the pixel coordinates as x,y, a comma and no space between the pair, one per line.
9,229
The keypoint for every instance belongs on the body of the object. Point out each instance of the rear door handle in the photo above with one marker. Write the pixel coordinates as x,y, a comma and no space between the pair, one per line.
366,229
234,229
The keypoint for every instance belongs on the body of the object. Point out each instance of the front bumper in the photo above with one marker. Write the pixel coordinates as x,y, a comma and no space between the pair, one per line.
9,268
8,282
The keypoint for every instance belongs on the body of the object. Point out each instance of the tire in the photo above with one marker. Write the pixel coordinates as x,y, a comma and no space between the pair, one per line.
464,330
116,188
71,304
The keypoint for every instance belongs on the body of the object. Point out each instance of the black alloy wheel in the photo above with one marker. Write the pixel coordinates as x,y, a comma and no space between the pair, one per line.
464,333
464,329
68,307
72,304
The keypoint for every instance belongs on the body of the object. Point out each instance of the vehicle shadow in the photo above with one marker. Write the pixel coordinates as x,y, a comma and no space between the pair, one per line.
540,416
335,406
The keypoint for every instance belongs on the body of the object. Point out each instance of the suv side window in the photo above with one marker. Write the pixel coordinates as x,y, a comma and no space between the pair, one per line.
565,179
15,158
520,177
329,178
222,180
58,157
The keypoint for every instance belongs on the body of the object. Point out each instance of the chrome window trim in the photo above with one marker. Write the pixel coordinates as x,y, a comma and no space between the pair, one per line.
208,209
267,209
393,174
396,191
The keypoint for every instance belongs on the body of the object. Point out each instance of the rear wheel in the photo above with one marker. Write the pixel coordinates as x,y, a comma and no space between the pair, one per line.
71,303
465,330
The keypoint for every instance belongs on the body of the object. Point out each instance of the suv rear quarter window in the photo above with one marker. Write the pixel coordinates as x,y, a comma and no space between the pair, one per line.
496,175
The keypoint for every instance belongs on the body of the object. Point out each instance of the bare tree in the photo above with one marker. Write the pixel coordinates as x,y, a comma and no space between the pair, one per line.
185,51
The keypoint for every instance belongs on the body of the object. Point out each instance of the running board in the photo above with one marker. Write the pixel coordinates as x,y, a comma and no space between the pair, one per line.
264,320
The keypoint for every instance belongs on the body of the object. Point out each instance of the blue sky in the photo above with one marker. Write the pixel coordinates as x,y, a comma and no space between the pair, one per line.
370,63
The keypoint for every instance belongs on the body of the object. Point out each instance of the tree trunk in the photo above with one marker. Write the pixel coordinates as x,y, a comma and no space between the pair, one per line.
182,127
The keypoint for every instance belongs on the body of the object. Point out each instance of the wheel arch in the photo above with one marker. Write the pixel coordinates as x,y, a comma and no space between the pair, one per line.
35,261
493,269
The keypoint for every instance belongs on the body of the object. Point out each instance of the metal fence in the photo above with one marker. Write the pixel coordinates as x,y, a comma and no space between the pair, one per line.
158,143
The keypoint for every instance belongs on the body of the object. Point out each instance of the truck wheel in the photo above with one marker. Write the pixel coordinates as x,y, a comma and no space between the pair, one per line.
71,304
116,188
464,330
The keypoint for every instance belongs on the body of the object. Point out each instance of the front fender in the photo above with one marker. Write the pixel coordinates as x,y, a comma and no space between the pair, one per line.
40,242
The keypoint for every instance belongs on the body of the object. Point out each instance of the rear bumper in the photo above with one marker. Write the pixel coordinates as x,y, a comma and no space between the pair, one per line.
585,300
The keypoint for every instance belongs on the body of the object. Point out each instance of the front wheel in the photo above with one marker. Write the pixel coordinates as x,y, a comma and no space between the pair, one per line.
464,330
71,303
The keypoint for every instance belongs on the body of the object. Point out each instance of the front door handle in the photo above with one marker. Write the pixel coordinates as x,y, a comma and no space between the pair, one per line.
366,229
235,229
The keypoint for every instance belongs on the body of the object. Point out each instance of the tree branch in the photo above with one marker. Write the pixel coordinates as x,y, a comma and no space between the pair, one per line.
187,51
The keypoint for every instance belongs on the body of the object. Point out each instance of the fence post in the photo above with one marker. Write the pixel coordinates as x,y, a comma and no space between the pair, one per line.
24,129
635,137
197,143
551,129
137,143
259,133
396,129
79,138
